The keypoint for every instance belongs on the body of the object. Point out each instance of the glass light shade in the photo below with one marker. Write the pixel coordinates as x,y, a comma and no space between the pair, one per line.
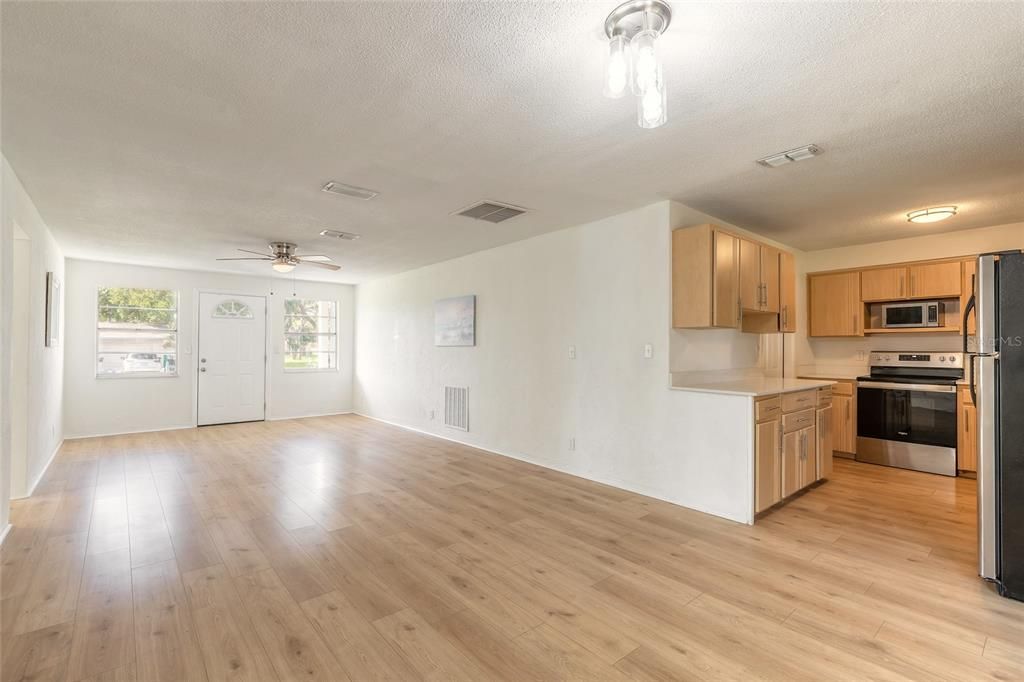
652,107
283,266
645,67
616,68
931,215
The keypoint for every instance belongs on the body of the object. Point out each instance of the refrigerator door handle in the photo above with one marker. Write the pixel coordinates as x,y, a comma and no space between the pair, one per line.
986,435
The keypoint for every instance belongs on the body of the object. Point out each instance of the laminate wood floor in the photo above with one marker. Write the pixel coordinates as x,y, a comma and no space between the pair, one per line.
341,548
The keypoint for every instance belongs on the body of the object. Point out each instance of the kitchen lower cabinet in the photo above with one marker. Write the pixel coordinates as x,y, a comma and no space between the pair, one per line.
824,449
768,463
787,457
844,423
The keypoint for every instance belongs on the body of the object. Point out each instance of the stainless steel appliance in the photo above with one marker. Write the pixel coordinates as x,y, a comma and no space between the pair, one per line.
913,314
906,410
997,384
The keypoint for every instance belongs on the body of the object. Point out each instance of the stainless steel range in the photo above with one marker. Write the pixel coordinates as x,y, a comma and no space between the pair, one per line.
906,410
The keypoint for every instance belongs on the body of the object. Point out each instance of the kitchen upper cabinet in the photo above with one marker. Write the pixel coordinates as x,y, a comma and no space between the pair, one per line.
967,432
716,274
768,463
970,269
759,277
935,280
834,302
883,284
787,292
705,278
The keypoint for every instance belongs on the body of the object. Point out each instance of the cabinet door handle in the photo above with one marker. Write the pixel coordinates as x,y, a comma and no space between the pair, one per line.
848,410
967,423
855,323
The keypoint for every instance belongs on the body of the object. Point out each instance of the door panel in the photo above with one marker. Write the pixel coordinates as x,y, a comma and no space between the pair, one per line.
844,436
909,416
824,445
770,278
790,463
835,305
232,359
726,288
935,280
808,459
886,284
787,292
768,471
750,275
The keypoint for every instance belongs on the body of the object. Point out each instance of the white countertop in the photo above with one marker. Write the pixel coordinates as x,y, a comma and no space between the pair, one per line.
752,386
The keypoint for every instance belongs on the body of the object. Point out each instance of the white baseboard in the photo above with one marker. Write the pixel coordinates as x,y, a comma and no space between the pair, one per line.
78,436
308,416
639,490
42,472
4,532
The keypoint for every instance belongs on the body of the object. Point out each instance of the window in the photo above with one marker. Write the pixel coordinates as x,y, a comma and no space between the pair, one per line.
136,332
310,335
232,308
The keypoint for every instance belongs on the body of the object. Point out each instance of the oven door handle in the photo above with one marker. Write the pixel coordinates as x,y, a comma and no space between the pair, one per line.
924,388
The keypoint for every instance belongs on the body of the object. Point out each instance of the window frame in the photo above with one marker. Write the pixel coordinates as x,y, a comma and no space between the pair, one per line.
136,375
285,334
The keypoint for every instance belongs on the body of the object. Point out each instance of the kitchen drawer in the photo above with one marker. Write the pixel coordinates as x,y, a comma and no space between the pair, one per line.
842,388
768,408
794,421
791,402
824,397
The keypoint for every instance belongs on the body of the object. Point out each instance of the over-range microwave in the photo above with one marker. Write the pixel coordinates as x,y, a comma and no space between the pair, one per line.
914,314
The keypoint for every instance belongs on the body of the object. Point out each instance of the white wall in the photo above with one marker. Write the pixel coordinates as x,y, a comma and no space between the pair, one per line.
840,355
603,287
43,430
118,405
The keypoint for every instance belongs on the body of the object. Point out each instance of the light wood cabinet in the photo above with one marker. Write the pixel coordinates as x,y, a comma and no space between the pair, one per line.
935,280
705,278
844,423
967,432
824,449
834,303
759,277
768,463
970,269
716,275
883,284
787,292
798,460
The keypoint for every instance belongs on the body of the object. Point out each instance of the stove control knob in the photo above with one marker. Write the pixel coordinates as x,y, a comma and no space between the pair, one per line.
942,358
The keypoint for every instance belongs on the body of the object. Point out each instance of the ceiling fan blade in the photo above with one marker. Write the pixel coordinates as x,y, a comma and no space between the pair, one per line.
316,257
258,253
318,264
264,258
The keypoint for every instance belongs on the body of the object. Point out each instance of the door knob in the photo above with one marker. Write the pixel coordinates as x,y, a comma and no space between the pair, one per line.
202,369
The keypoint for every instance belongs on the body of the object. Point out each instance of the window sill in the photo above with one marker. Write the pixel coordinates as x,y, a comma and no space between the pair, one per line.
139,375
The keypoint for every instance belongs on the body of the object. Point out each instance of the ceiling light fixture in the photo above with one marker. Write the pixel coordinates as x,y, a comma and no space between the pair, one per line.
283,265
782,158
633,29
338,234
931,215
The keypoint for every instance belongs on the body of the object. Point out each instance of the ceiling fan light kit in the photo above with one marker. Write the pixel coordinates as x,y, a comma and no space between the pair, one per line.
282,258
632,62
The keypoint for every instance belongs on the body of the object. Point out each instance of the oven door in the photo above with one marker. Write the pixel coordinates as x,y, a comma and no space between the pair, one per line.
911,413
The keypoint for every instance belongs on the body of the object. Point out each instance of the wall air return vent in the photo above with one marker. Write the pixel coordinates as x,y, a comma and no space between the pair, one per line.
456,407
491,211
349,190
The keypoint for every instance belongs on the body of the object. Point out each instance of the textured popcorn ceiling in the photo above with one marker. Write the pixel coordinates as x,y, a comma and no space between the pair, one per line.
172,133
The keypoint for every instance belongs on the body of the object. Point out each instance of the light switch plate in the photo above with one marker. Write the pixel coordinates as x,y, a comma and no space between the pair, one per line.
572,352
648,351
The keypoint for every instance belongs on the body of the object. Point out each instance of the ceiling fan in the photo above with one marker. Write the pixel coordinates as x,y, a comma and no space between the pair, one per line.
283,257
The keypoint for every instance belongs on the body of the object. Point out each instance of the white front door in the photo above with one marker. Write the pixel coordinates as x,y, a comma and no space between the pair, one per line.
232,358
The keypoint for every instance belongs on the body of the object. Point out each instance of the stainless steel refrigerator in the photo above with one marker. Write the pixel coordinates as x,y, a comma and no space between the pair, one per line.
997,385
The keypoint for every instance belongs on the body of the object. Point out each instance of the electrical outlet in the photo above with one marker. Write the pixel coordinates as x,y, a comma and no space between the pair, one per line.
862,355
572,443
572,352
648,351
431,415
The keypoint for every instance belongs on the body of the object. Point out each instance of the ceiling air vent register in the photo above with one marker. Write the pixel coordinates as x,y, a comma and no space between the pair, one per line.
491,211
349,190
798,154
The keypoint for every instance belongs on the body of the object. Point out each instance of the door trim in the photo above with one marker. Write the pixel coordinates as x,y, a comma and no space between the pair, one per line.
194,369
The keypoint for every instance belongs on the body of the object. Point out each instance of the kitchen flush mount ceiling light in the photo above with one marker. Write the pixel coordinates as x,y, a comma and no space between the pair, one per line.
632,62
931,215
